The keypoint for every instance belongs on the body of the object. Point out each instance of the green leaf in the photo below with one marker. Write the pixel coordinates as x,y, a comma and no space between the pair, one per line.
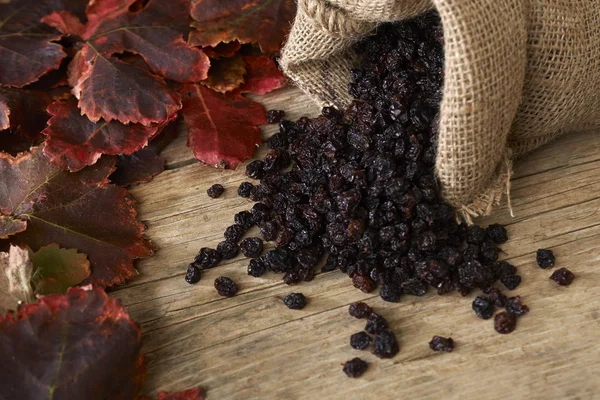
56,269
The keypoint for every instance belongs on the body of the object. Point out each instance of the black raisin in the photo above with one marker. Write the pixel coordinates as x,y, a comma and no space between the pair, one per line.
497,233
274,116
360,340
545,258
207,258
355,367
193,274
251,247
505,322
245,189
439,343
225,286
228,250
511,281
483,307
376,324
215,191
295,301
514,306
234,233
360,310
257,267
385,345
562,276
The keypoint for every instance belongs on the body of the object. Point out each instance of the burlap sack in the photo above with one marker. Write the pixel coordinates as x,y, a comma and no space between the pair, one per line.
517,74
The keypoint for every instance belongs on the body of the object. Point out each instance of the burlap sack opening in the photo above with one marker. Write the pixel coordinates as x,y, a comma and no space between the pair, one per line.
517,74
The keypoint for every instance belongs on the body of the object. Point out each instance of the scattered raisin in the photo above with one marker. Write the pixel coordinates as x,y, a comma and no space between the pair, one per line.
245,189
193,274
483,307
355,367
257,267
228,250
562,276
234,233
251,247
360,310
514,306
274,116
256,169
439,343
207,258
360,340
505,322
497,233
497,297
225,286
215,191
385,345
545,258
511,281
244,218
295,301
376,324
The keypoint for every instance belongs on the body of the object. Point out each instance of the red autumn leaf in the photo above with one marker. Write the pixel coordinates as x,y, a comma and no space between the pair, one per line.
10,226
27,47
226,74
22,117
82,345
223,49
111,89
78,210
144,164
222,129
74,142
65,22
262,75
266,22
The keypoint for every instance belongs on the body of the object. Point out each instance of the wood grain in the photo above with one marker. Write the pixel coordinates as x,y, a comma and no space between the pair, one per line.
252,347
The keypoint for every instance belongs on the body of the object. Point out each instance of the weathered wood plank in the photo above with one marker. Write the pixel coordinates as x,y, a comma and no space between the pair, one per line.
251,346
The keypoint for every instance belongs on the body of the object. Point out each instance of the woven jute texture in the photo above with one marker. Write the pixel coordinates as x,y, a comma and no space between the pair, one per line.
517,74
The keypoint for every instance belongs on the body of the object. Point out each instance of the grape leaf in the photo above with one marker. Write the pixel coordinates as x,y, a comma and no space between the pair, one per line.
99,83
75,210
262,75
223,49
155,31
144,164
266,22
222,129
16,269
10,226
82,345
55,270
65,22
226,74
74,142
22,116
27,47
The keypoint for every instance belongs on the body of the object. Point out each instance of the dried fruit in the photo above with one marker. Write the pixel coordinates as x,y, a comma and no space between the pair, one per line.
562,276
251,247
385,345
355,367
274,116
207,258
545,258
215,191
505,322
360,310
295,301
360,340
511,281
257,267
193,274
439,343
376,324
234,233
483,307
514,306
225,286
228,250
245,189
497,233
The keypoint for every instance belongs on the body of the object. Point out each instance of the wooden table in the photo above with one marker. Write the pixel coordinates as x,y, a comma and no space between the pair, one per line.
252,347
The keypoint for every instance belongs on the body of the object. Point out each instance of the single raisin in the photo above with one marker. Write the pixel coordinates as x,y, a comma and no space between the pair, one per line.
514,306
497,297
256,169
215,191
483,307
244,218
245,189
234,233
257,267
390,292
385,345
295,301
511,281
497,233
207,258
228,250
545,258
225,286
376,324
355,367
439,343
193,274
505,322
360,340
274,116
251,247
360,310
562,276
